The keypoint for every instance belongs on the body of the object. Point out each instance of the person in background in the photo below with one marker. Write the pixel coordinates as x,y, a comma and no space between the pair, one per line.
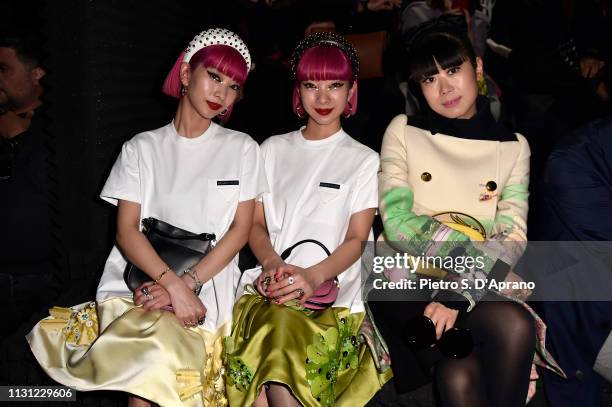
27,280
575,205
20,82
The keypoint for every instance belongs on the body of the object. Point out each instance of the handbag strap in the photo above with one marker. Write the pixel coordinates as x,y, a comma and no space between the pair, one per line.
150,226
287,252
454,215
201,236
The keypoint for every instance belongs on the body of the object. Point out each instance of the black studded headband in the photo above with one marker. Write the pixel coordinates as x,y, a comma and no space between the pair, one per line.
329,39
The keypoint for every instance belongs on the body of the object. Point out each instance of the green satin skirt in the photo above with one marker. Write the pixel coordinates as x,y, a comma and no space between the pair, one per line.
148,354
320,356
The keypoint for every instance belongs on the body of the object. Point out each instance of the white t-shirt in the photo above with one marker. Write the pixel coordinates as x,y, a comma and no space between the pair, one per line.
192,183
315,187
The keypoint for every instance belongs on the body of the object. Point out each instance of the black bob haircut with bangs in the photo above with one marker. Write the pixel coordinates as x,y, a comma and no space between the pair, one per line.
447,48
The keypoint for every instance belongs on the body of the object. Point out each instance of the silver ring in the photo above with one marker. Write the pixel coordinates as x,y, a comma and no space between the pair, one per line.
201,321
145,291
291,280
267,280
300,293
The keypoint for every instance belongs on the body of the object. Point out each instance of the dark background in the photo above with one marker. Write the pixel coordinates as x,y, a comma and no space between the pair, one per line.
105,62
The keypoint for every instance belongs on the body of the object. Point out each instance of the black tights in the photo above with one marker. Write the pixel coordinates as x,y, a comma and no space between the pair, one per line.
497,372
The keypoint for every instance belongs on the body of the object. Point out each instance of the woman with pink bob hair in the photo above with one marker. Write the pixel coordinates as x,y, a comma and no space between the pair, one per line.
160,339
223,58
296,336
321,64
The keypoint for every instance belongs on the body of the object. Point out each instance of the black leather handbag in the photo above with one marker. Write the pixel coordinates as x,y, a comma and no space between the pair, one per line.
179,248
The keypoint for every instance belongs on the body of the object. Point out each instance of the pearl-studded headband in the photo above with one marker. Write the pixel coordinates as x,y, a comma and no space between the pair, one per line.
217,36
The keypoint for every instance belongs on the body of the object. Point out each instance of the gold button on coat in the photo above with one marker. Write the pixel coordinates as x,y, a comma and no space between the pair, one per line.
491,186
426,176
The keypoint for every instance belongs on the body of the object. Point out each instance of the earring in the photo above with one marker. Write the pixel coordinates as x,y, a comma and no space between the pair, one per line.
347,112
223,112
299,111
183,90
482,85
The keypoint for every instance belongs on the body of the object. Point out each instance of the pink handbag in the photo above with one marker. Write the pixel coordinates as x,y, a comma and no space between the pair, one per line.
325,295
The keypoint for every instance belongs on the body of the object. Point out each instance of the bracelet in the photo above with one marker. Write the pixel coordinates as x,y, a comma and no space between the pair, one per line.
194,275
163,273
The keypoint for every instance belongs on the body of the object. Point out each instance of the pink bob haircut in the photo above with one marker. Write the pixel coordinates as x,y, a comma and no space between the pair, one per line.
223,58
323,63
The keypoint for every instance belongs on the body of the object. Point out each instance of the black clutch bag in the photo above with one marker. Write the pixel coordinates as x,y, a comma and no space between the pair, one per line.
179,248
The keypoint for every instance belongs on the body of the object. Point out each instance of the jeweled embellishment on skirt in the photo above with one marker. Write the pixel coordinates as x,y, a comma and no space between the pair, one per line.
78,324
210,383
238,373
329,354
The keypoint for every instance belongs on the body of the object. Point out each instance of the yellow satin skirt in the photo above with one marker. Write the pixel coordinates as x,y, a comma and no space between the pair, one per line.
319,355
148,354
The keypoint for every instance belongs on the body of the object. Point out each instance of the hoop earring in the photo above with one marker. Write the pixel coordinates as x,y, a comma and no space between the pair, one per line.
183,90
348,112
299,111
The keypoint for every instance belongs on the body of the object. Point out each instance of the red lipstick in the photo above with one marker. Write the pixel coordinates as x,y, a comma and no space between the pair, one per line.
323,112
213,105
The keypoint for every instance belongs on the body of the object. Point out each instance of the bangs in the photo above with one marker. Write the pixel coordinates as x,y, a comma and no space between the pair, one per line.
223,58
323,63
441,48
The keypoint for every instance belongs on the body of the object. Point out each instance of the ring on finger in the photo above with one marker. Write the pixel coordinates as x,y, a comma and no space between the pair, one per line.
201,321
291,280
145,291
149,296
300,293
267,280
